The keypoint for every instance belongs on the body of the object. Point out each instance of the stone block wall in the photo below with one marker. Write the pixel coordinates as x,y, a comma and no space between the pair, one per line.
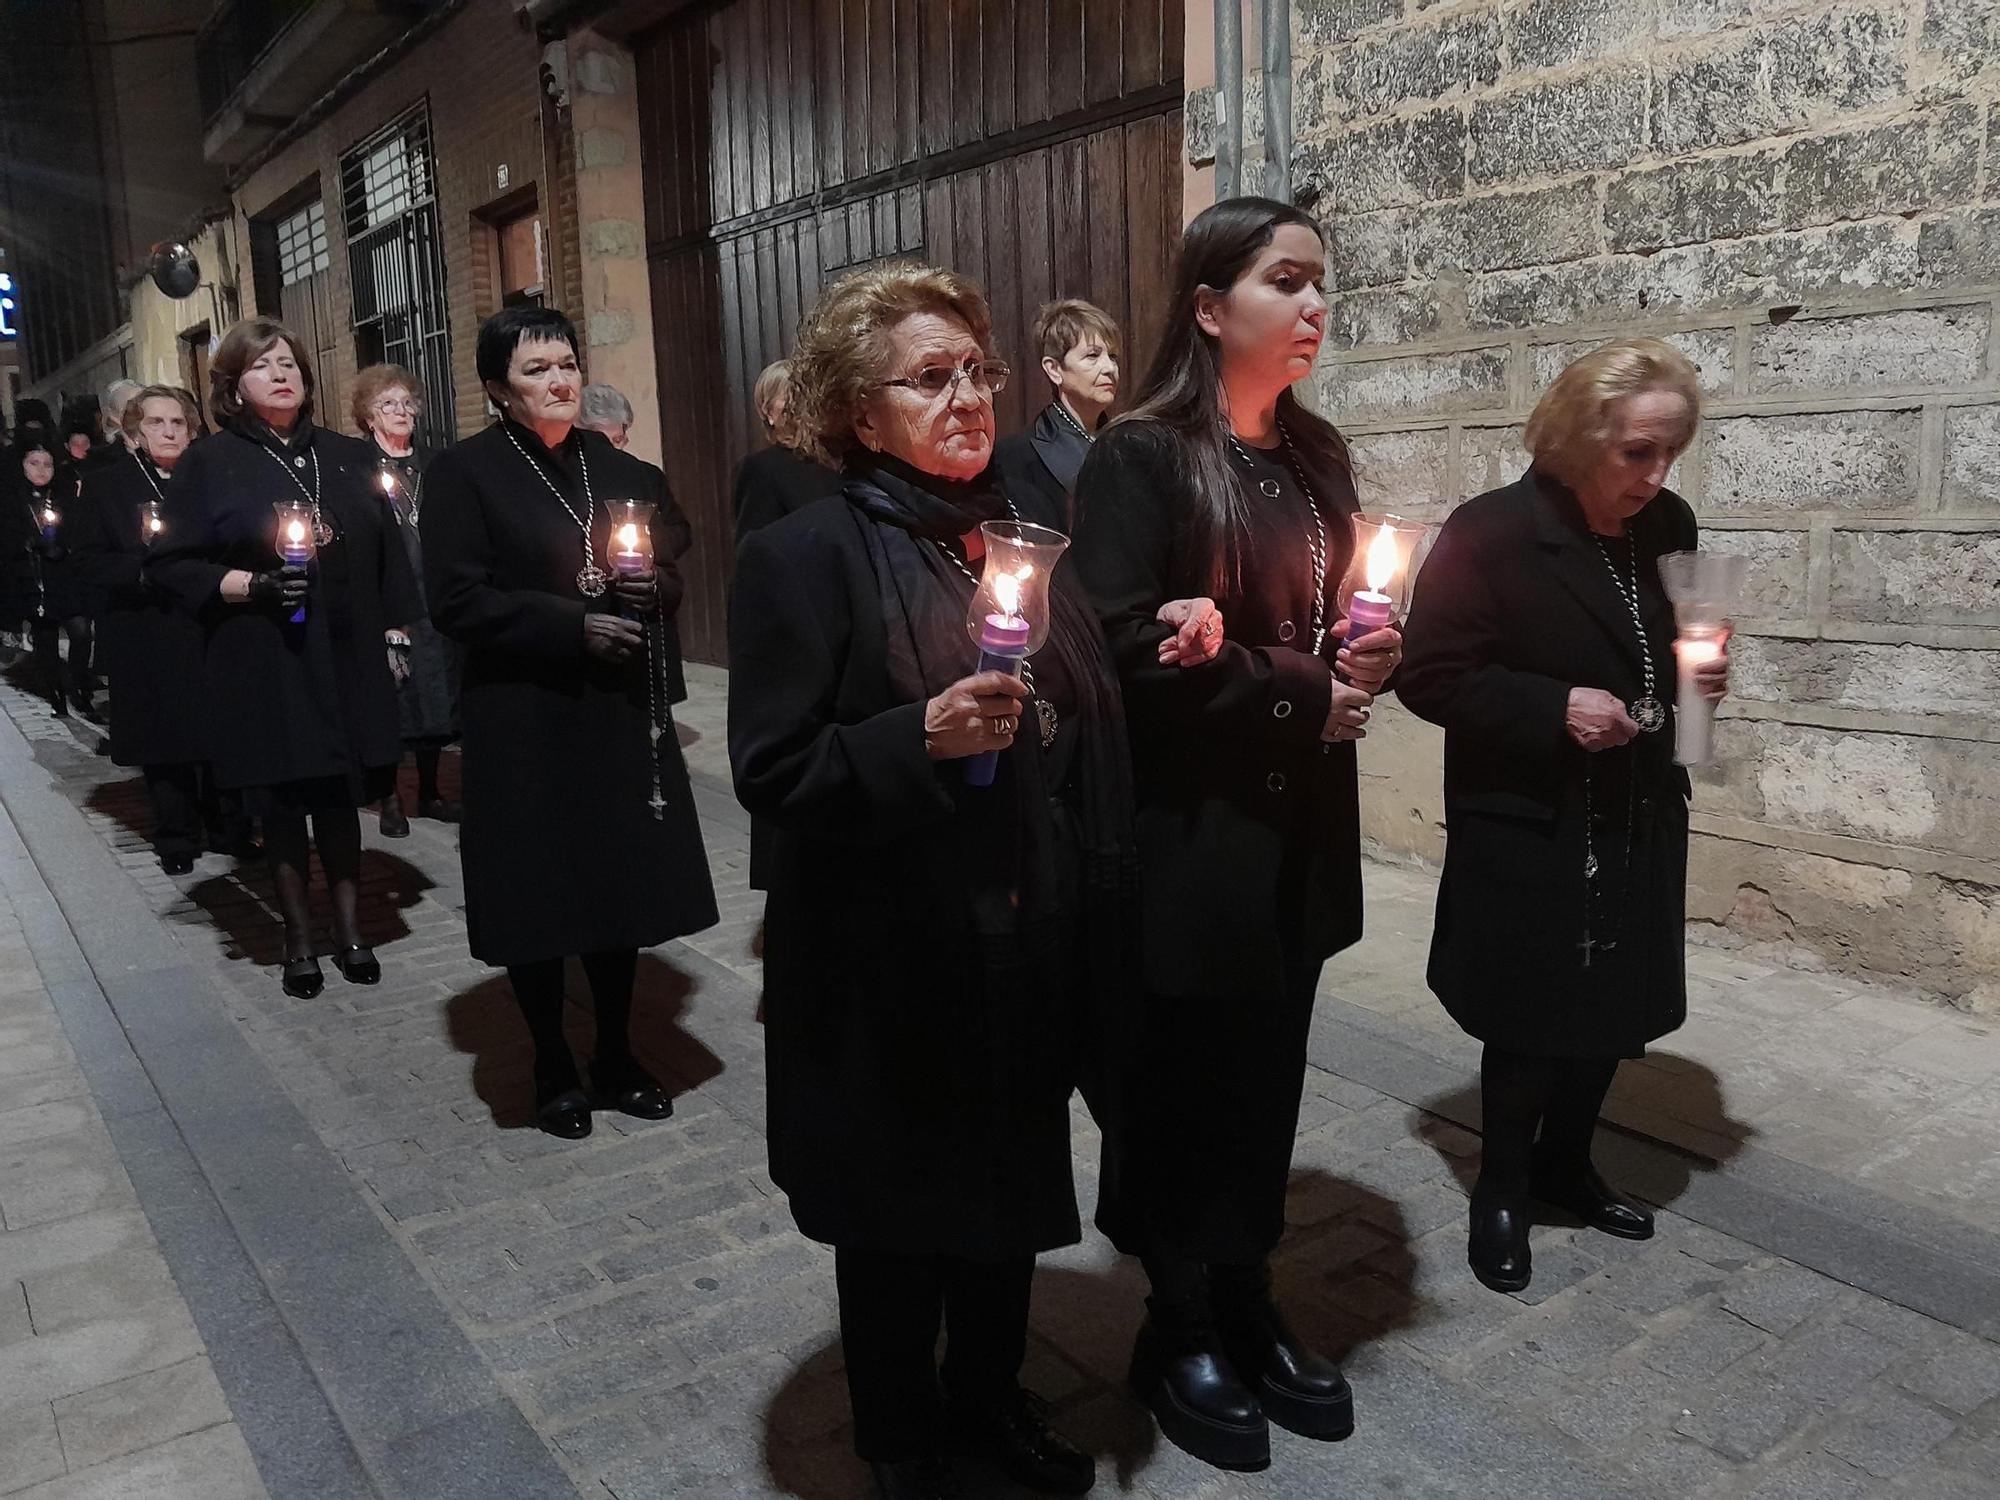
1805,197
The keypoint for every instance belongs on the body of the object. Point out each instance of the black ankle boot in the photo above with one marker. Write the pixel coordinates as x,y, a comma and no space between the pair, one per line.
1497,1248
395,823
1301,1389
918,1479
1012,1433
1181,1373
1590,1198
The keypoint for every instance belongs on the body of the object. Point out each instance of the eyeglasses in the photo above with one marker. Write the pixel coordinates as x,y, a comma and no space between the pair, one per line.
398,404
988,377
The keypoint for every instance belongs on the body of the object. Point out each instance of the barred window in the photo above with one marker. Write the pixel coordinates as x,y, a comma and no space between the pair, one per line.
302,244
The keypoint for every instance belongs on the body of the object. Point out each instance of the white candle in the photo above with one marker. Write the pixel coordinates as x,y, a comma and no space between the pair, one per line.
1694,719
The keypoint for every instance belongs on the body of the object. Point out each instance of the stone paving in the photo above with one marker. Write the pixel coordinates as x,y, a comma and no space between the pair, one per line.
106,1388
643,1297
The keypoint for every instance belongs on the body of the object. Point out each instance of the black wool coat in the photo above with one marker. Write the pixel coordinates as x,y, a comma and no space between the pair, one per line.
775,481
562,852
149,650
289,703
1238,799
1515,606
1030,464
910,1109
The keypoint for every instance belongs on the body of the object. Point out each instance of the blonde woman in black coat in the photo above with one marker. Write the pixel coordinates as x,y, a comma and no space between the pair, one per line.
1541,640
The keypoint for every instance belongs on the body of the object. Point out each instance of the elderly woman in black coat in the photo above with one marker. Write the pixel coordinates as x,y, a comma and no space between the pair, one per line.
301,712
580,836
922,956
1541,640
151,650
386,402
1218,479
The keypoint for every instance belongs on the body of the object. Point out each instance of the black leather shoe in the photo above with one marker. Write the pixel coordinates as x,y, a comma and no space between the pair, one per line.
177,864
440,811
302,978
1301,1389
1013,1434
87,711
358,965
395,825
1591,1199
1497,1248
918,1479
565,1113
1202,1408
630,1089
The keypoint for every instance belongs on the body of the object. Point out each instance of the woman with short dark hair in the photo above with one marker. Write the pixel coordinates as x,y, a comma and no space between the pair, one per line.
1079,346
302,660
580,836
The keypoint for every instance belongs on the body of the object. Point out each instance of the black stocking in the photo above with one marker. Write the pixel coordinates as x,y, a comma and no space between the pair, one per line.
538,990
427,773
337,830
1513,1094
290,856
611,974
1570,1120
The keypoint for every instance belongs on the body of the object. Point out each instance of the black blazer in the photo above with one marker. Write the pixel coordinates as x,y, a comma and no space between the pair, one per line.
1031,464
1514,607
773,482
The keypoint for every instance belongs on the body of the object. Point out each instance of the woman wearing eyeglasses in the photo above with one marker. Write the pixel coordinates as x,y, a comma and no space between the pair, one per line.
923,962
386,406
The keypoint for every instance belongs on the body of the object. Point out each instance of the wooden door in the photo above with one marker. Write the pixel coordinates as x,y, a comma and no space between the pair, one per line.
1031,144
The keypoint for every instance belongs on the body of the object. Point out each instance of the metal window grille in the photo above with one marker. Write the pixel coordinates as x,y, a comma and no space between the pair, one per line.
301,240
396,259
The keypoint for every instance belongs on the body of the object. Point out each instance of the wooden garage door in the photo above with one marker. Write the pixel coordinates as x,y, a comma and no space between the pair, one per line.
1032,144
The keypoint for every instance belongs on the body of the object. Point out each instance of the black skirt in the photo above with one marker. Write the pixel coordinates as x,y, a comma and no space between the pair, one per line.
298,799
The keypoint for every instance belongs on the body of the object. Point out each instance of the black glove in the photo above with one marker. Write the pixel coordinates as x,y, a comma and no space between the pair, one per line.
279,588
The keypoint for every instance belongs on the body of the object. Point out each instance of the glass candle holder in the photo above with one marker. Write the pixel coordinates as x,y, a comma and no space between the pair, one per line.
1009,616
295,541
1705,588
1376,587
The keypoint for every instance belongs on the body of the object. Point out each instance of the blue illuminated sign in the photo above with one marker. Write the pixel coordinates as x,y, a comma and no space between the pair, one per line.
8,307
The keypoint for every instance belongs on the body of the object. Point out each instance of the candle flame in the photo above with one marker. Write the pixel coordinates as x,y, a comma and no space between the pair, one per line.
1007,593
388,483
154,523
1382,560
48,516
296,531
628,537
1698,649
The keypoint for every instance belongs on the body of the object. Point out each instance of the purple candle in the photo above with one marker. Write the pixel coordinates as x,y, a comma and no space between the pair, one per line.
1003,646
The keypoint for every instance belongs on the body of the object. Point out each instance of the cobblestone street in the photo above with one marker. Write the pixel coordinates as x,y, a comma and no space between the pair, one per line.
385,1282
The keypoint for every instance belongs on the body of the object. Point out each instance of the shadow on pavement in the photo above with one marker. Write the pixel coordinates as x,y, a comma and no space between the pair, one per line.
241,907
485,1023
1669,1089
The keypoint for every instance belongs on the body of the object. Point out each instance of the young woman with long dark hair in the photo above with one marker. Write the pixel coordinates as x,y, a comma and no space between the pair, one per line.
1220,482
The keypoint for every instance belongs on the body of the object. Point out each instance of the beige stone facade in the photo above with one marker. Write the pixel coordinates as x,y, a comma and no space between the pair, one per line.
1806,198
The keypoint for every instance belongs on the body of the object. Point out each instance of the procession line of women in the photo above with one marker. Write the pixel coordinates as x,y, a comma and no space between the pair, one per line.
1138,901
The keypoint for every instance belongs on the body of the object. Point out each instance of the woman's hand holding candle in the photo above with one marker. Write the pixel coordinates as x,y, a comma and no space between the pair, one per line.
973,715
1710,660
1368,661
1347,714
637,593
279,588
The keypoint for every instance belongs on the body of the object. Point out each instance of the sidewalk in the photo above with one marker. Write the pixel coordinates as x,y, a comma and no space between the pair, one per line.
475,1309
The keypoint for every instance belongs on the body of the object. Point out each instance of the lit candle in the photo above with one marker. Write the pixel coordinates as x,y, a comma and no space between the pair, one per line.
1694,718
151,522
49,522
1371,608
388,482
1003,646
295,542
630,556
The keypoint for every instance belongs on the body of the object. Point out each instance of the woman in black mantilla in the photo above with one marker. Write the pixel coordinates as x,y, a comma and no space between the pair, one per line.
1541,639
151,650
386,403
1219,480
923,975
1079,347
47,591
579,834
302,713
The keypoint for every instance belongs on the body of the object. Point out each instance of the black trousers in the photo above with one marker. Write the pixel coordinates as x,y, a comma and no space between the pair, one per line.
56,677
186,808
891,1308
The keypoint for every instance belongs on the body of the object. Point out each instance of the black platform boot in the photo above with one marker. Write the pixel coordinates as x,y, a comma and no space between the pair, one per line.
1182,1374
1301,1389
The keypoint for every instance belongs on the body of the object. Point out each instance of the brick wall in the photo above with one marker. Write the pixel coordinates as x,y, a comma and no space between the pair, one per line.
480,74
1806,198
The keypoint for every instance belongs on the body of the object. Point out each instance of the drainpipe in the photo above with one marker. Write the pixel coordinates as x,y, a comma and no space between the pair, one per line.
1275,25
1228,98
